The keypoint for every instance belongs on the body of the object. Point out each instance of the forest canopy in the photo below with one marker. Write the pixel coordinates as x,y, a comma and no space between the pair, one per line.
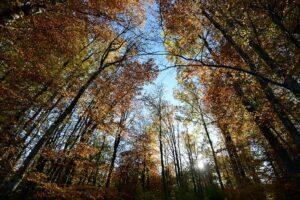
84,113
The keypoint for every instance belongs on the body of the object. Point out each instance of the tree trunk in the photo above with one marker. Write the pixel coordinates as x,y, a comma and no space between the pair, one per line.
238,170
212,149
280,152
289,126
162,159
279,23
20,173
113,159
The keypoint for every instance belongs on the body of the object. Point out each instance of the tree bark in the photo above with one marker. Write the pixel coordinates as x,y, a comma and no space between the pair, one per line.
20,173
238,170
212,149
162,156
280,152
289,126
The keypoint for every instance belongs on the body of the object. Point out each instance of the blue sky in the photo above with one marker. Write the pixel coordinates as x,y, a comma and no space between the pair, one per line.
166,78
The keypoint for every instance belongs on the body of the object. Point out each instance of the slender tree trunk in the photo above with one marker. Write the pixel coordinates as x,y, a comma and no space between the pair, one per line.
212,150
20,173
113,158
192,165
176,159
95,178
162,159
72,134
179,155
238,169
